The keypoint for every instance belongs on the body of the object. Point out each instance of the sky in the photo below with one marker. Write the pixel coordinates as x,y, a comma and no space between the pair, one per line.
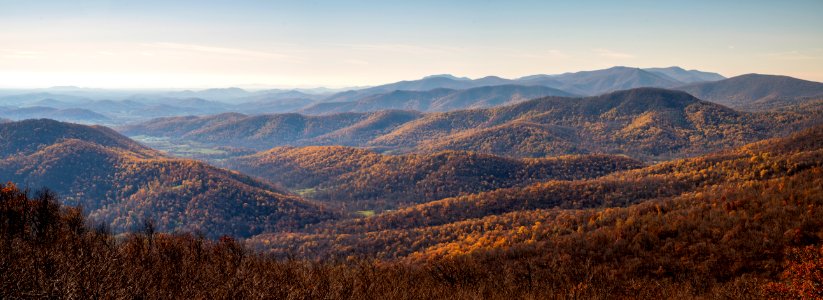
200,44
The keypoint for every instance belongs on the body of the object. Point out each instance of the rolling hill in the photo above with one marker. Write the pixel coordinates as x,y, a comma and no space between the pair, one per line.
517,138
680,212
374,124
263,132
752,90
646,123
122,183
26,137
78,115
178,126
364,180
743,223
440,99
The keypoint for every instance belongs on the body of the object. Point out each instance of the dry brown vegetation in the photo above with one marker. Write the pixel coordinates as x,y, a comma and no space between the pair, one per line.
359,179
49,252
123,183
740,224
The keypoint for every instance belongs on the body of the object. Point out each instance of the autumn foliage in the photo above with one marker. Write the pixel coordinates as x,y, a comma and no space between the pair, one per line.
359,179
740,224
803,276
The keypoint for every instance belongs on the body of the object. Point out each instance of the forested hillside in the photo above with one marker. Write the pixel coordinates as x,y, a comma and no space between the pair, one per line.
121,183
263,132
738,224
27,136
642,123
365,180
725,218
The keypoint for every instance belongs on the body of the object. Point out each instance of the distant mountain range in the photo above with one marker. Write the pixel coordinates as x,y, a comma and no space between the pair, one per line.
686,76
646,123
602,81
77,115
439,99
137,108
436,93
586,83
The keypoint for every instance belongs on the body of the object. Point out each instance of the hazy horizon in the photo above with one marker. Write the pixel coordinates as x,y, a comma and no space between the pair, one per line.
202,44
262,86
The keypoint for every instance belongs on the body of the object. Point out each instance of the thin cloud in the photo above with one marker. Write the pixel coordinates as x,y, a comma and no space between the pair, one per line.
355,62
558,54
613,54
549,54
792,55
403,48
223,50
19,54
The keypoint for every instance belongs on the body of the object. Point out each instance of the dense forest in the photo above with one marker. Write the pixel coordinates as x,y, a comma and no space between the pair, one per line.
121,182
489,217
364,180
751,231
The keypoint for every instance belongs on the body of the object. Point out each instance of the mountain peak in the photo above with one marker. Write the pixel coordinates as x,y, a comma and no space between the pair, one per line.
227,89
449,76
490,77
623,68
685,76
758,76
645,94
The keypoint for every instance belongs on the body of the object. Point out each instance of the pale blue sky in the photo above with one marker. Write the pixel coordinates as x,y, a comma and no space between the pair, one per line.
343,43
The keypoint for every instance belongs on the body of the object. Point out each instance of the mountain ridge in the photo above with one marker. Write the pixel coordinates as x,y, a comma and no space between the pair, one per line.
645,123
748,90
439,99
365,180
121,183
